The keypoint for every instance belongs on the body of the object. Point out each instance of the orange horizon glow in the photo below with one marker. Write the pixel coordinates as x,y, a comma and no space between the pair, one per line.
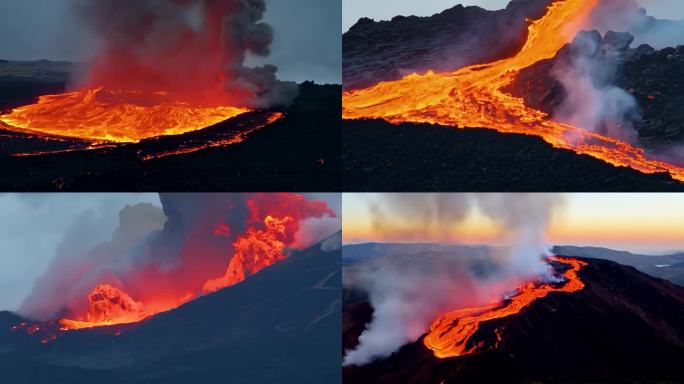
643,222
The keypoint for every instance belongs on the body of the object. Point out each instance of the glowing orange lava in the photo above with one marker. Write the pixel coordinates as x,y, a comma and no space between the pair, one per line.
255,251
106,115
473,96
450,335
108,305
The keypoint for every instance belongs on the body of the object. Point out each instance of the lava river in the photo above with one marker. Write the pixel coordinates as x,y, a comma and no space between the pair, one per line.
101,114
450,335
473,96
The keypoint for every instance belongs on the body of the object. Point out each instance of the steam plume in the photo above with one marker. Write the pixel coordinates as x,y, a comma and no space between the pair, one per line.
408,292
195,49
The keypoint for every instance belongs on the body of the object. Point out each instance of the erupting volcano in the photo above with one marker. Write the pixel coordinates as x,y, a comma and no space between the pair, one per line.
450,335
474,96
245,234
163,68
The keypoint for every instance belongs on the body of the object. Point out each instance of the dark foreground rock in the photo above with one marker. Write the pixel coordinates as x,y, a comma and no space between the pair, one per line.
379,156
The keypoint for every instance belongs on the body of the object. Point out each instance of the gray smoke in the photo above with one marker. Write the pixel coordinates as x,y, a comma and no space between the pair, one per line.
592,101
193,47
407,293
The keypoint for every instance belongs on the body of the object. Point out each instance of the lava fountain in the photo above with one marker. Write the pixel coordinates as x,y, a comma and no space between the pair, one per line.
473,96
451,334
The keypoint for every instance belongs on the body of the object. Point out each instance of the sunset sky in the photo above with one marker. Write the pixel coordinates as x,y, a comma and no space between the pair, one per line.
652,223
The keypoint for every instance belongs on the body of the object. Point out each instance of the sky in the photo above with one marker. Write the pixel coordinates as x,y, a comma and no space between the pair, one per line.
307,42
33,225
353,10
649,223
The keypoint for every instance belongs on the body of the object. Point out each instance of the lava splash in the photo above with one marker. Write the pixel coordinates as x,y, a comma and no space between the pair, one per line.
451,334
106,115
473,97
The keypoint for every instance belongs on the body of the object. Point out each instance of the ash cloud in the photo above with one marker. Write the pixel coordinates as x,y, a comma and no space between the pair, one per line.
408,292
161,254
193,48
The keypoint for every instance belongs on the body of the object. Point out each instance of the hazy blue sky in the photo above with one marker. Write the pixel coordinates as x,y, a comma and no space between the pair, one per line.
307,35
353,10
32,225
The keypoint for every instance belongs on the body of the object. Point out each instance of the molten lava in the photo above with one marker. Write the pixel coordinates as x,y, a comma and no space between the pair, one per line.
254,251
107,115
108,305
473,96
451,334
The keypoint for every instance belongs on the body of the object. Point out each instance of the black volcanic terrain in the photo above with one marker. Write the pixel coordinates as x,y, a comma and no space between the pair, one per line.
278,326
378,156
623,327
299,152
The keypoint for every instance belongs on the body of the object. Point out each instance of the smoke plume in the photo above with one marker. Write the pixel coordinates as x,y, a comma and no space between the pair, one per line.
160,258
408,292
592,101
192,49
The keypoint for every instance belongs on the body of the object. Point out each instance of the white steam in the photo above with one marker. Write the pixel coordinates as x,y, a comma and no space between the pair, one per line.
408,292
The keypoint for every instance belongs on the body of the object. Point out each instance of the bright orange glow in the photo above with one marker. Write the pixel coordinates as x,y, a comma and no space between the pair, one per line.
107,115
108,305
255,251
220,250
473,96
450,335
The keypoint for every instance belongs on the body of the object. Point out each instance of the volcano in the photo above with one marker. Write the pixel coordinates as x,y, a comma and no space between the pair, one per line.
622,326
259,149
280,325
460,78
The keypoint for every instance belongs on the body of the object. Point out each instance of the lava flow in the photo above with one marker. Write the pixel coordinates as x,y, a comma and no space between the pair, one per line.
473,96
106,115
450,335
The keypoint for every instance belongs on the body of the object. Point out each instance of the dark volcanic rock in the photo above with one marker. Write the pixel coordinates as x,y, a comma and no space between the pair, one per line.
379,156
624,327
456,37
